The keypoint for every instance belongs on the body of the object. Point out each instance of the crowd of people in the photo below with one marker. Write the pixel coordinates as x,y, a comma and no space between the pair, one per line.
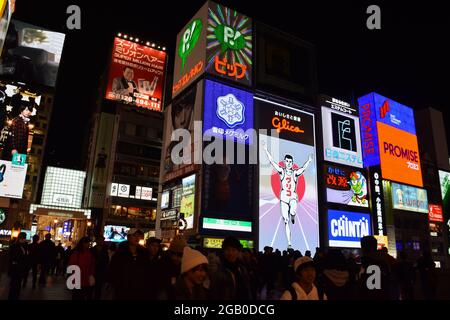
130,271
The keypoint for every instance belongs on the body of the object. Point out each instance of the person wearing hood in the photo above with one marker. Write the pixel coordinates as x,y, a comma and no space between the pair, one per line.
231,281
189,285
335,278
303,288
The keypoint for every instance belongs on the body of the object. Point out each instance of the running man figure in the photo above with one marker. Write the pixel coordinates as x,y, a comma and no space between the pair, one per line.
288,196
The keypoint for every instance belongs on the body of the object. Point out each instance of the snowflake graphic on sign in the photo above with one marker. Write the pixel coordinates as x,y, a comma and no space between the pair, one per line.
230,110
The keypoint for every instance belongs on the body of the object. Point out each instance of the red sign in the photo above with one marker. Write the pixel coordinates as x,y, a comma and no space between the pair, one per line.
136,75
435,213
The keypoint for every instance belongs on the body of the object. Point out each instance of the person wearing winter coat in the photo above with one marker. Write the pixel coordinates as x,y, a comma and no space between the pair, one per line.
84,259
334,280
303,288
231,281
18,263
189,285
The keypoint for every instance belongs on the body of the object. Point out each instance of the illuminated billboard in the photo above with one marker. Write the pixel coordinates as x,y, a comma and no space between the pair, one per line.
165,199
341,138
190,52
63,187
227,225
12,179
435,213
288,205
345,186
181,114
187,208
399,155
229,44
409,198
228,112
345,229
115,233
444,180
34,54
136,75
6,10
216,243
131,191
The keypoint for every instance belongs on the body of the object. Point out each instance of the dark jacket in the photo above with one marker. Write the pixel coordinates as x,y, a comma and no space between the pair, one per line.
34,257
336,284
18,260
181,292
17,138
167,274
363,292
47,252
230,282
127,274
101,256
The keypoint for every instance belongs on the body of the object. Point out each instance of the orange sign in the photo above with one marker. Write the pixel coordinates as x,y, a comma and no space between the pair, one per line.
283,124
399,155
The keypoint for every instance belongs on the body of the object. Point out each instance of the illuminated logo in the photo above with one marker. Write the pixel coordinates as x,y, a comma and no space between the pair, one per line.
188,76
344,227
188,40
19,159
344,135
283,124
230,110
2,216
403,153
384,109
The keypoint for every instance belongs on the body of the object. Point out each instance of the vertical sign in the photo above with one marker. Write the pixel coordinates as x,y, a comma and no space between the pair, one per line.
376,193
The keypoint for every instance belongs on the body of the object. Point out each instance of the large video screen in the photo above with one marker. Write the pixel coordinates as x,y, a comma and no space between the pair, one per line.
115,233
32,54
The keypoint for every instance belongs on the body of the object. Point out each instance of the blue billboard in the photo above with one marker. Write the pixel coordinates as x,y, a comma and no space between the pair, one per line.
345,229
228,112
375,108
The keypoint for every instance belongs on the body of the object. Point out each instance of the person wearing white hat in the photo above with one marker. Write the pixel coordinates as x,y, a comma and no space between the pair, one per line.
303,288
189,285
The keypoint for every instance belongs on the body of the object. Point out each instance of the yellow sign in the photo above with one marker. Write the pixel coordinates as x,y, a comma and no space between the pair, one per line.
382,241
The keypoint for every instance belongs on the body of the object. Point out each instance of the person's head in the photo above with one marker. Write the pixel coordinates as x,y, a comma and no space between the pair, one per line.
134,236
182,111
35,238
305,270
288,161
153,246
231,248
25,110
176,249
384,250
128,73
48,236
307,253
83,244
22,237
335,259
194,265
368,245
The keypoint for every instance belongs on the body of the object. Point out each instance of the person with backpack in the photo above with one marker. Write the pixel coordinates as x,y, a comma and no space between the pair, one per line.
303,288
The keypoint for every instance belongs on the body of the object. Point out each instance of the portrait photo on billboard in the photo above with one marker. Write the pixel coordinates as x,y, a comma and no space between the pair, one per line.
288,205
341,138
229,44
136,74
19,105
346,186
32,54
181,114
228,112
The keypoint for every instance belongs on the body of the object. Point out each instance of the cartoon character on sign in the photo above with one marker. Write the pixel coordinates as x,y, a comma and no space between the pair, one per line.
358,185
289,174
230,110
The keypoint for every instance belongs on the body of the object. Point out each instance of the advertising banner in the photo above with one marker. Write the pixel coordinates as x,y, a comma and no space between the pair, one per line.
346,186
399,155
229,44
409,198
377,201
345,229
227,225
228,112
12,179
187,209
444,180
216,243
288,207
190,53
115,233
435,213
341,138
136,74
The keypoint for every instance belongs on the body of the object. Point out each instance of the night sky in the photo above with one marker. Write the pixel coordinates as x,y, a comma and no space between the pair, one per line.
407,60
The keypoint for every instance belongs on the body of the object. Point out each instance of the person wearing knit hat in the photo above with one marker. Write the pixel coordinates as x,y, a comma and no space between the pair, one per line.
193,273
303,288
